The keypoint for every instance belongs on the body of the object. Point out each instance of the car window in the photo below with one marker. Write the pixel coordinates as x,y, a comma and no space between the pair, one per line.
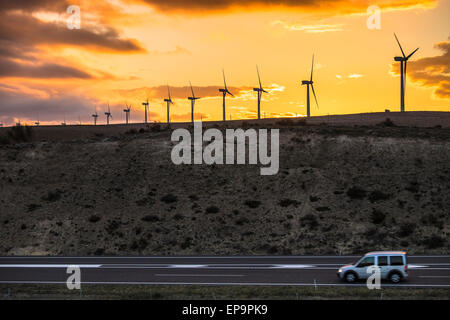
396,260
369,261
382,261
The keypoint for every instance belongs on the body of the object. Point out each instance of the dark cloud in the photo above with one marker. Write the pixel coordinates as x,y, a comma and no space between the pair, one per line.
19,60
33,5
331,6
17,104
432,71
21,34
24,28
51,106
11,68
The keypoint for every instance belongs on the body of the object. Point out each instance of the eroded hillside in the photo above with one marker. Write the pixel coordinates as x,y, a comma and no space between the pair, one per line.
338,191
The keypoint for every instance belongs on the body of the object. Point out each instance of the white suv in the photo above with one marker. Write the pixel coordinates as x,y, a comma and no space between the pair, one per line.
393,266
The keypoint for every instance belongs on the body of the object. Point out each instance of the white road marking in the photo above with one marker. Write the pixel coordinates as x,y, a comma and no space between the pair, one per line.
197,275
184,266
293,266
414,266
205,257
212,266
231,284
83,266
204,266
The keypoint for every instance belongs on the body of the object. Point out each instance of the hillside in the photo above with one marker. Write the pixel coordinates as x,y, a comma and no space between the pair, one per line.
340,190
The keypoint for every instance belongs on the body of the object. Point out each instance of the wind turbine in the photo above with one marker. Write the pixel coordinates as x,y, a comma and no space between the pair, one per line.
310,83
403,61
127,113
108,115
260,91
169,102
37,123
145,104
224,94
64,123
95,116
193,98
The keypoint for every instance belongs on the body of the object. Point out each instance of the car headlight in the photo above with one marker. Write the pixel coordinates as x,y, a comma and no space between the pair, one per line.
340,270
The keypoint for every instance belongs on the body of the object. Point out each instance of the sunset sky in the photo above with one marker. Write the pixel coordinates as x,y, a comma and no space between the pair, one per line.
128,50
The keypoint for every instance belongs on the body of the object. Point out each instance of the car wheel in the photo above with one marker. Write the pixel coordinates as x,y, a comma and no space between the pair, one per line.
350,277
395,277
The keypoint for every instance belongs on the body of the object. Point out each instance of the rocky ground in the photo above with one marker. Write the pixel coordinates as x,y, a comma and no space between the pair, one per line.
340,190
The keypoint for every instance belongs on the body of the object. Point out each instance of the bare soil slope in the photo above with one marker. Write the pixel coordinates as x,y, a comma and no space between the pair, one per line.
340,190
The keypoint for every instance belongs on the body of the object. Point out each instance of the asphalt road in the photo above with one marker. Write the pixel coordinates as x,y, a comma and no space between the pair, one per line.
424,271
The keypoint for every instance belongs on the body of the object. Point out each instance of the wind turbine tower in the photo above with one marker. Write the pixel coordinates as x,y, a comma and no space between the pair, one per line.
403,60
108,115
193,98
309,83
224,91
95,116
260,91
145,104
169,102
127,113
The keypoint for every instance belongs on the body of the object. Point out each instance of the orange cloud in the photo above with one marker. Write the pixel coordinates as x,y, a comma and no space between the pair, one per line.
24,28
316,28
160,92
23,35
187,116
325,6
431,71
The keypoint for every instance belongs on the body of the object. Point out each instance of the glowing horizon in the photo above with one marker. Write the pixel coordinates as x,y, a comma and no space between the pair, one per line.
129,50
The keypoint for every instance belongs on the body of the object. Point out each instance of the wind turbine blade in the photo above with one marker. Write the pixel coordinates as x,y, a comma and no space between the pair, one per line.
412,54
193,95
224,81
399,45
312,68
230,93
312,87
259,78
168,90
